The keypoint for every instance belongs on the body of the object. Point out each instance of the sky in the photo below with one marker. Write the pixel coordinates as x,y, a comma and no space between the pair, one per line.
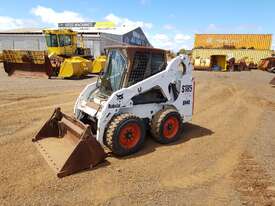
168,24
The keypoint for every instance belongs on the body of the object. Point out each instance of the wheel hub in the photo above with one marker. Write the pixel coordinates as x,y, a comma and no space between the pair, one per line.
129,135
171,127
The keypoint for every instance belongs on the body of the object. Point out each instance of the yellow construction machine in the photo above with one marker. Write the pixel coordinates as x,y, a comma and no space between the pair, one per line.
63,57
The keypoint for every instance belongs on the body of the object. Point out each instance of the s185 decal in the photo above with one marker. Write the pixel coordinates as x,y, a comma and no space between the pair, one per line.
186,88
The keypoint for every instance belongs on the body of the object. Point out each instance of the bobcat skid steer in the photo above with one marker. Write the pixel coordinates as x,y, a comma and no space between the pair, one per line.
138,92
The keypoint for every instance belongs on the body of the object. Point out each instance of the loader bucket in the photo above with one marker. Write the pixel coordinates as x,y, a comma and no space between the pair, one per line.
68,145
74,67
98,65
26,63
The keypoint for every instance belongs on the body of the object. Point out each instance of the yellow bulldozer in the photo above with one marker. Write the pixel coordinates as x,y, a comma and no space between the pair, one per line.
63,57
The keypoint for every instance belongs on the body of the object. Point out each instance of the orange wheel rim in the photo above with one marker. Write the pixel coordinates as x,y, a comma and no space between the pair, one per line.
170,127
129,135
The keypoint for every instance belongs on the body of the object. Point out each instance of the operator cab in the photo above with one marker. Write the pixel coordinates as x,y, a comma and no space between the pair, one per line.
127,65
61,41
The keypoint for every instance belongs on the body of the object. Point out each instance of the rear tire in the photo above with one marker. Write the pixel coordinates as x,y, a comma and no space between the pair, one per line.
7,68
166,126
125,134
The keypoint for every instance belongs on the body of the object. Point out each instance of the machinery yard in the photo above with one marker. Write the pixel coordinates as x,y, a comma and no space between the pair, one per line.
225,156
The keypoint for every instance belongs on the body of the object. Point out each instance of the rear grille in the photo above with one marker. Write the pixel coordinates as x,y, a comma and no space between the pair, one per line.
139,67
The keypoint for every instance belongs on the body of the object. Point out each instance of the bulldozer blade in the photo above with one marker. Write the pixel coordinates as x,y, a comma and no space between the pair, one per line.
26,63
68,145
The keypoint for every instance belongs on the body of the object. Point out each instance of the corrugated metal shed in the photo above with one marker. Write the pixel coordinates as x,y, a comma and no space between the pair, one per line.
96,39
24,41
250,54
256,41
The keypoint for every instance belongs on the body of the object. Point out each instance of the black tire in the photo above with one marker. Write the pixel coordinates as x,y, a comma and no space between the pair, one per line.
161,123
7,68
125,134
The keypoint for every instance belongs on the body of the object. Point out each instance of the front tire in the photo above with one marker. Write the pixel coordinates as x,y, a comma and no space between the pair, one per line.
125,134
166,126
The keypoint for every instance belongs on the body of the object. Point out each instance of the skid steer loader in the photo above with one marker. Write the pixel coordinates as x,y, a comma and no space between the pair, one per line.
63,58
138,91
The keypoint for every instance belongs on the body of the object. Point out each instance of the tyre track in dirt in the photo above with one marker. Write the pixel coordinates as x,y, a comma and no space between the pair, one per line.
197,170
253,182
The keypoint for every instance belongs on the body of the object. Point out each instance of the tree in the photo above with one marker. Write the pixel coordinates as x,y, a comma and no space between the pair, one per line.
181,51
170,54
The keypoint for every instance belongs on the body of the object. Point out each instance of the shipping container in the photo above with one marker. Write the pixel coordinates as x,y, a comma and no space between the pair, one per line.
231,41
203,58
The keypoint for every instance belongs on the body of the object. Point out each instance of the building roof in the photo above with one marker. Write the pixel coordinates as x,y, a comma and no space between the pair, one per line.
22,30
117,30
255,41
135,47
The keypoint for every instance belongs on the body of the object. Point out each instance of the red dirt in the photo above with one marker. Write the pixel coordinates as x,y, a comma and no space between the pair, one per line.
225,157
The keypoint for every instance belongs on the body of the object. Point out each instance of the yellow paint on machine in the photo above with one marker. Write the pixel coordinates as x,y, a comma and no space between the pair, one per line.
23,56
98,64
238,41
68,50
78,66
75,66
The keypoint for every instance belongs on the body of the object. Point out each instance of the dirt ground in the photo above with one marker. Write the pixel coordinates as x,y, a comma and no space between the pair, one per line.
226,155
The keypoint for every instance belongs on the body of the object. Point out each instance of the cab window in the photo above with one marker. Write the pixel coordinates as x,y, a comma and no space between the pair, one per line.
65,40
158,63
146,64
51,40
113,76
140,64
